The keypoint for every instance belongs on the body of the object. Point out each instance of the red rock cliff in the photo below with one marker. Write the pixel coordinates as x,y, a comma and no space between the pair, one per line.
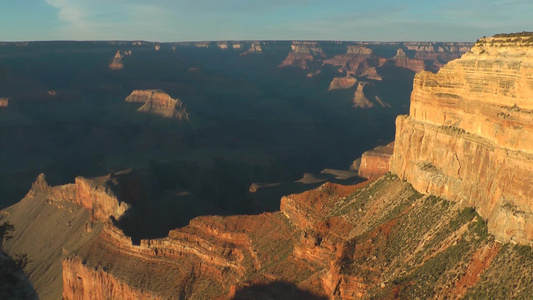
375,163
469,134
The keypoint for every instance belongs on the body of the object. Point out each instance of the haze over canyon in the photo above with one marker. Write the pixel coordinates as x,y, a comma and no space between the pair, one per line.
267,169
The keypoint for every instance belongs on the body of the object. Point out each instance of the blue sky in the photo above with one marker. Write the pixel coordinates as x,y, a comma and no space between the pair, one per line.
197,20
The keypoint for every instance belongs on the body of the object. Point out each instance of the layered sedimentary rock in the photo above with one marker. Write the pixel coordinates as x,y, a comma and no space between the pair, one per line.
469,134
302,54
116,63
103,286
4,102
377,239
401,60
342,83
53,222
437,54
356,60
159,103
375,163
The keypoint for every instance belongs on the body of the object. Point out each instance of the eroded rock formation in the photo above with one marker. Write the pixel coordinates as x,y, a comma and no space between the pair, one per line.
375,163
255,48
159,103
401,60
342,83
116,64
469,134
356,60
361,100
302,54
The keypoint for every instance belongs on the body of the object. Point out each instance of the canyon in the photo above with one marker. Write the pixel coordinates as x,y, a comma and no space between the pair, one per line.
444,212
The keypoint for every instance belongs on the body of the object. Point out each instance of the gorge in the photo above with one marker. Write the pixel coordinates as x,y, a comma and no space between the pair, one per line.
446,212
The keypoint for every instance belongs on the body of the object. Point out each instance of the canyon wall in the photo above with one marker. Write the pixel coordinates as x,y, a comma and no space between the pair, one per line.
469,134
102,286
375,162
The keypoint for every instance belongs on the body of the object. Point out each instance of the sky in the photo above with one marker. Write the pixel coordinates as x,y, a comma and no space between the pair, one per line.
211,20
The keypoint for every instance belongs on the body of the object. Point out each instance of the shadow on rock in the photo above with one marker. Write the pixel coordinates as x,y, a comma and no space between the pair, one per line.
274,290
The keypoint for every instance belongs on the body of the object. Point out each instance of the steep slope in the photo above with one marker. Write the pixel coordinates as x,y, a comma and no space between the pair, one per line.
469,138
375,162
380,240
51,223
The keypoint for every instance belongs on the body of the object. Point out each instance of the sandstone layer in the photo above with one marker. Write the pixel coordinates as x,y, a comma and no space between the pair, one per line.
375,163
159,103
469,134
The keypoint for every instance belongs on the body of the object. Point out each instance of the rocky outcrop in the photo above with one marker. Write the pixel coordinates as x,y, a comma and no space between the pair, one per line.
302,54
356,60
371,73
469,138
102,286
375,163
255,48
378,239
223,45
401,60
4,102
116,64
342,83
159,103
359,98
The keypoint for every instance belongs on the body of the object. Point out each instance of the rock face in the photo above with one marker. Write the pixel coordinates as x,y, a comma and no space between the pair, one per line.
103,286
116,64
361,60
360,98
401,60
375,163
4,102
342,83
356,60
302,54
469,134
159,103
377,239
374,240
